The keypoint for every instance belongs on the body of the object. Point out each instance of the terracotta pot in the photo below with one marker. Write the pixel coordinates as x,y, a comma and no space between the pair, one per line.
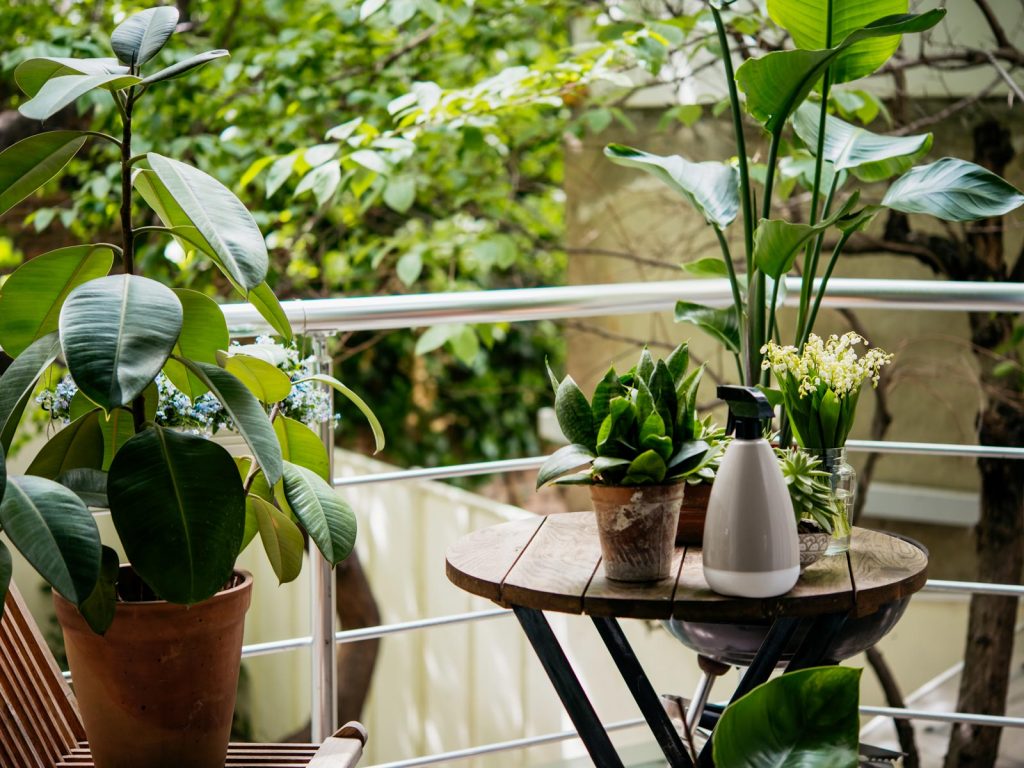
637,527
692,515
159,688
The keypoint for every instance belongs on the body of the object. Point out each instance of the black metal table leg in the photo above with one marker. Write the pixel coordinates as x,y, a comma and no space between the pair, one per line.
643,692
819,639
568,687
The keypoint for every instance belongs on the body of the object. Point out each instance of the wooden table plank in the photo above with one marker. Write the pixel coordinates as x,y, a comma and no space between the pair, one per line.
553,573
479,562
885,568
624,600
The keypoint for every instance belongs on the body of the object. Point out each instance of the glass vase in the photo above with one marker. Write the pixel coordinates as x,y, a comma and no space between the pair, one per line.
844,492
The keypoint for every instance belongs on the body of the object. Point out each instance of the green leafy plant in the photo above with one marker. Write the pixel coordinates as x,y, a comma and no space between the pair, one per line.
836,41
637,429
182,507
809,488
807,718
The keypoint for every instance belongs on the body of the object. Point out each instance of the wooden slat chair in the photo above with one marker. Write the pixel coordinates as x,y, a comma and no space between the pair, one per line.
40,726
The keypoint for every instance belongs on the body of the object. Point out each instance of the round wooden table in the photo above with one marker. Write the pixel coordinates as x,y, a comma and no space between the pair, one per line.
553,563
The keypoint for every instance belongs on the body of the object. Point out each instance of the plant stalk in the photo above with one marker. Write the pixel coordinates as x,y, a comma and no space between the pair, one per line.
735,286
811,260
806,331
127,233
756,299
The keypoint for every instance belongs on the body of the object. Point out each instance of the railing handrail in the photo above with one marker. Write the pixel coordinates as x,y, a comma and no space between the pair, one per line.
372,313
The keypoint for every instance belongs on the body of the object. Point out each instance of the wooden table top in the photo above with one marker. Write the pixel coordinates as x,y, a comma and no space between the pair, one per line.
553,563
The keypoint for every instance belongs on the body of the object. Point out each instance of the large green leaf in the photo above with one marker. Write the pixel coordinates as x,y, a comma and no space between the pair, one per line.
807,22
140,37
267,304
116,333
301,445
179,507
870,156
20,379
268,382
806,718
98,609
327,518
777,242
203,332
31,299
574,415
58,92
246,412
720,324
225,224
282,539
777,83
32,74
185,65
90,485
954,190
28,164
78,445
563,461
712,188
55,532
356,400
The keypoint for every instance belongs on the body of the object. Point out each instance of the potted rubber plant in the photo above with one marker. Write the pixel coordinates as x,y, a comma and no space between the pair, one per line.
635,441
154,645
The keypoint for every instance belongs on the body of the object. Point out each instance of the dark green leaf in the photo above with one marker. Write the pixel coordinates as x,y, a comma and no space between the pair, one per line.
116,333
720,324
561,462
184,546
140,37
646,469
282,539
301,445
574,415
55,532
327,518
90,485
689,456
98,608
6,569
19,380
606,389
954,190
185,65
678,361
203,333
30,163
32,74
59,92
356,400
79,445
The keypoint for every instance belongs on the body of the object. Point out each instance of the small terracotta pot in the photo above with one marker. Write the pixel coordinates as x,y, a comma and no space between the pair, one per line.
692,515
637,527
158,689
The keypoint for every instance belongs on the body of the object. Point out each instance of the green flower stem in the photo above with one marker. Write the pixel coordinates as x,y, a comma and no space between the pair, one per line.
811,262
735,286
821,288
756,302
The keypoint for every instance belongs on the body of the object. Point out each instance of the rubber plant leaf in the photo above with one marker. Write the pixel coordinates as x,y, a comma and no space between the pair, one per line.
184,66
19,381
32,297
116,333
806,718
55,532
184,547
869,156
140,37
28,164
953,190
282,539
59,92
32,74
6,570
204,332
777,83
301,445
807,23
712,188
98,609
267,382
327,518
90,485
356,400
78,445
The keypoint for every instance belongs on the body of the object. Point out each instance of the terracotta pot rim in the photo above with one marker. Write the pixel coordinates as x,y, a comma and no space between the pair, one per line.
154,605
637,487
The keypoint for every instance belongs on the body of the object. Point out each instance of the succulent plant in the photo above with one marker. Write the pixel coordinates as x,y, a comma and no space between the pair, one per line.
809,487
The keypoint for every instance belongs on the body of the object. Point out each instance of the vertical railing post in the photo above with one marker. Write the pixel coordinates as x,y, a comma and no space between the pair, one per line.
324,710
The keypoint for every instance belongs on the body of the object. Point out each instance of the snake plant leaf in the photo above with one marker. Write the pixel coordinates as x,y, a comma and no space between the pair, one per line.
116,333
227,228
712,188
356,400
268,305
327,518
19,381
282,539
953,190
646,469
90,485
28,164
607,388
574,415
807,23
245,411
204,331
690,454
268,382
562,462
78,445
301,445
720,324
6,570
184,546
677,362
869,156
98,609
612,437
645,367
31,299
663,390
32,74
140,37
55,532
185,65
59,92
777,83
806,718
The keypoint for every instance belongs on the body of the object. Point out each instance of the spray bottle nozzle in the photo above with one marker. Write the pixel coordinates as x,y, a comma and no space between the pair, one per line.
748,406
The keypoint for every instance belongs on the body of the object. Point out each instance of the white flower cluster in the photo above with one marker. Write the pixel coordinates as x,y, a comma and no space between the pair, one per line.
833,363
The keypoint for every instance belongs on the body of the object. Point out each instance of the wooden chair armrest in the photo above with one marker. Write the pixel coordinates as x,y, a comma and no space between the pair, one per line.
343,749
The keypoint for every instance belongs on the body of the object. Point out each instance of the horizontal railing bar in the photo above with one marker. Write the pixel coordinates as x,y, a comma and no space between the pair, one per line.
967,718
371,313
936,449
974,588
501,746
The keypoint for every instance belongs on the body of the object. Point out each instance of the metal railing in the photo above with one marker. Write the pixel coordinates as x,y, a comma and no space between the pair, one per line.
324,317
